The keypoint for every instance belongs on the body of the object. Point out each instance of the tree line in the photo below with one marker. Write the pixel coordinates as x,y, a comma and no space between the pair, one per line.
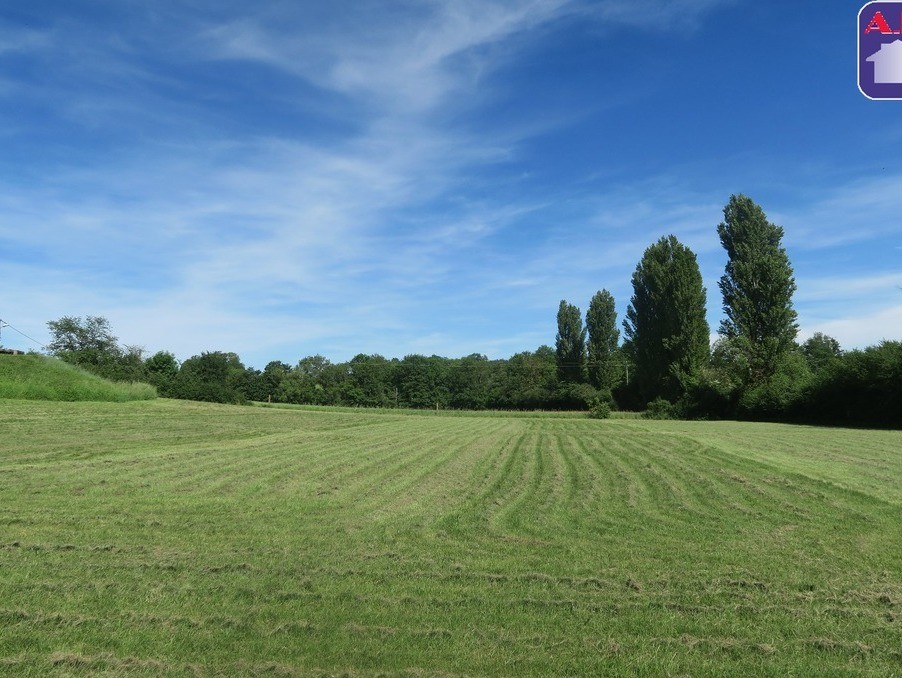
665,364
527,380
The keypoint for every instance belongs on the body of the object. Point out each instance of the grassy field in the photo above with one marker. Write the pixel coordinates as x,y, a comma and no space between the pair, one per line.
507,414
38,377
164,537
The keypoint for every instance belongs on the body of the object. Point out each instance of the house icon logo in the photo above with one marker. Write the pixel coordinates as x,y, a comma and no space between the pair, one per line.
880,50
888,64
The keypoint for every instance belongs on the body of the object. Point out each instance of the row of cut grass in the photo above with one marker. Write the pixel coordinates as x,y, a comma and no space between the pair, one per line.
506,414
165,537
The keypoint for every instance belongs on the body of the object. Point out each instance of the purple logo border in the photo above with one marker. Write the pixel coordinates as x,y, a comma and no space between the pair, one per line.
876,91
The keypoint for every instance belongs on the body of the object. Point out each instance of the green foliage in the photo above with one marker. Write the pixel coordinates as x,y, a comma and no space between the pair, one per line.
660,409
570,344
726,389
271,379
423,382
757,287
572,396
213,376
600,408
861,386
601,325
816,383
530,380
780,395
712,396
474,382
820,351
128,365
730,362
162,369
369,382
37,377
665,325
89,340
90,344
300,387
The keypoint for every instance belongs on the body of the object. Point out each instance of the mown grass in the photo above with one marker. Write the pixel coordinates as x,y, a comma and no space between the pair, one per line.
507,414
167,537
36,377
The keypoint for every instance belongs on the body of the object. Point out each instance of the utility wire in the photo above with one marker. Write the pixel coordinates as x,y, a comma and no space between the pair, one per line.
3,324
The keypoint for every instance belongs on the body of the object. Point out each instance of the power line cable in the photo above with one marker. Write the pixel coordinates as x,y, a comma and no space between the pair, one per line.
3,324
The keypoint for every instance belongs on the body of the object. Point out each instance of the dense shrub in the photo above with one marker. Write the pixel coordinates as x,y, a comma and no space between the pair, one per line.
211,377
861,387
660,409
778,397
601,409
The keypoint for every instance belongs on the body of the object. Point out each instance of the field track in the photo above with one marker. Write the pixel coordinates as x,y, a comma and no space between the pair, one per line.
171,537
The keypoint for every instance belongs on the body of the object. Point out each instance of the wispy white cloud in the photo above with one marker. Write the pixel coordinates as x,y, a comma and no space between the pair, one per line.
405,64
192,231
883,286
861,210
677,14
19,40
856,310
857,330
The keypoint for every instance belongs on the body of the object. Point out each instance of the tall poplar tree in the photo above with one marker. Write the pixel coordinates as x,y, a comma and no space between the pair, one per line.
570,343
601,325
665,326
757,287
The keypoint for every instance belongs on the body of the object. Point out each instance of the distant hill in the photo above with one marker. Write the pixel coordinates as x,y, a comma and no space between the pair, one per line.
37,377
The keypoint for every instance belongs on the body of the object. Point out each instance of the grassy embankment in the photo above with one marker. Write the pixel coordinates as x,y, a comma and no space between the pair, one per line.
170,537
36,377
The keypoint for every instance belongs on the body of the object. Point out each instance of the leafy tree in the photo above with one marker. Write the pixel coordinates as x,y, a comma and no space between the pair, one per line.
369,382
820,350
89,343
757,287
248,382
473,381
530,380
600,409
300,388
778,397
665,324
730,364
313,365
570,343
127,364
271,378
161,369
314,381
331,380
601,324
422,382
214,377
574,396
862,387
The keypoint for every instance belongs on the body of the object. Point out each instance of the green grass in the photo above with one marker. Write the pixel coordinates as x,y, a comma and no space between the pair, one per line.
36,377
507,414
165,537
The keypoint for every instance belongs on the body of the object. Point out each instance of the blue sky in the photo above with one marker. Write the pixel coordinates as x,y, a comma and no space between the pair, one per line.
286,178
